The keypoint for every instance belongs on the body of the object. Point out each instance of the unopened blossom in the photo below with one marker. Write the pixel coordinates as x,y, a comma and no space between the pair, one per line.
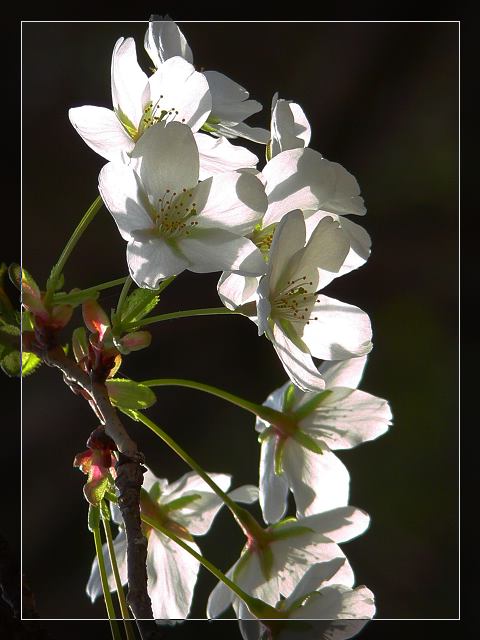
275,559
175,92
171,221
230,101
298,456
314,601
187,508
298,321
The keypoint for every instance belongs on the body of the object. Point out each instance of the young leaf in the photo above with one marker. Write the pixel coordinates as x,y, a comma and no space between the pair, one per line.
138,304
127,394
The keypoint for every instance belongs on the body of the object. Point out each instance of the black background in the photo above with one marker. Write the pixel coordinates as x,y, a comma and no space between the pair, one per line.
382,100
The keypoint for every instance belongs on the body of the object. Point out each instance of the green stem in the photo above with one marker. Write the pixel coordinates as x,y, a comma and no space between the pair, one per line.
123,296
64,298
75,237
266,413
212,311
234,508
118,583
104,580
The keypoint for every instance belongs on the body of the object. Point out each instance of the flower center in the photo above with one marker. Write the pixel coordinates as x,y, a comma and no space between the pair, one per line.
295,301
175,212
153,112
262,238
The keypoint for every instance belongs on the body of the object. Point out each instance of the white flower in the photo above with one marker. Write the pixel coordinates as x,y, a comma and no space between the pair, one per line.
299,322
299,457
230,103
314,601
275,559
187,507
302,179
174,92
170,221
218,155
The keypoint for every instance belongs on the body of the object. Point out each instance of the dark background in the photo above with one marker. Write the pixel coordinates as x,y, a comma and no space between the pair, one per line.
382,99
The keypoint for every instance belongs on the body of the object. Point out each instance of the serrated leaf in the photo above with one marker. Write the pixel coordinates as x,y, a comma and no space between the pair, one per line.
93,517
104,510
30,362
75,298
138,304
127,394
11,364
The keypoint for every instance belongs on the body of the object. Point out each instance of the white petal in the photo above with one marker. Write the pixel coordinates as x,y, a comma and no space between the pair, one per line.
218,155
313,579
151,259
288,238
94,584
221,597
303,179
181,91
101,130
339,525
297,364
230,100
191,482
166,157
235,290
344,373
347,418
250,629
219,250
172,574
325,250
319,482
247,493
294,556
163,40
125,198
273,488
233,201
290,127
337,602
337,330
128,81
242,130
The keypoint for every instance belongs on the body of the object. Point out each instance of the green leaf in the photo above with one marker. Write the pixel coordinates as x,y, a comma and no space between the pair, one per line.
104,510
30,362
130,413
307,441
80,343
27,321
75,298
93,517
138,304
127,394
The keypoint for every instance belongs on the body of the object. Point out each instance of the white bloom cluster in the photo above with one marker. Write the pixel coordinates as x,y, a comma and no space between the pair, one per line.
184,197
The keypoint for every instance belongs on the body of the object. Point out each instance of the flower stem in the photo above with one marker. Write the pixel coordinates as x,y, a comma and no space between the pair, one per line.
64,298
104,580
75,237
266,413
211,311
120,593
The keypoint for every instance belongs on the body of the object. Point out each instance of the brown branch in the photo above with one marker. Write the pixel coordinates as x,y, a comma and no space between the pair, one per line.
129,476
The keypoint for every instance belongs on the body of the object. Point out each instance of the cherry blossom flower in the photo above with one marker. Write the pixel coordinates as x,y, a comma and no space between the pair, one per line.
186,507
275,559
230,101
175,92
298,455
170,221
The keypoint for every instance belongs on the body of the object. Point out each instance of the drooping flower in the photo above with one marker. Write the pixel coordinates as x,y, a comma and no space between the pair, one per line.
170,221
299,322
230,101
175,92
312,600
300,457
187,508
275,559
